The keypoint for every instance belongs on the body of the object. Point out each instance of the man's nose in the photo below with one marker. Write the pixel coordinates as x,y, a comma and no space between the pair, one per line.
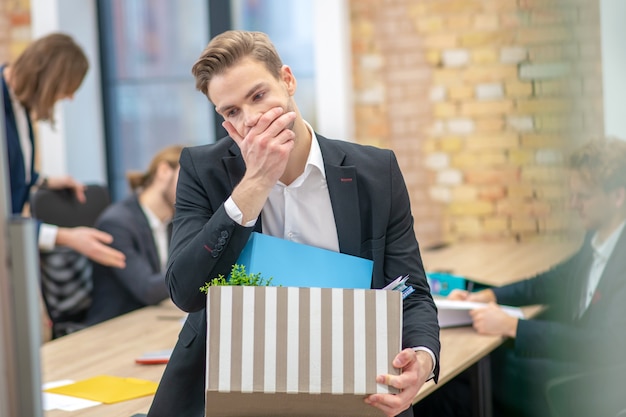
251,117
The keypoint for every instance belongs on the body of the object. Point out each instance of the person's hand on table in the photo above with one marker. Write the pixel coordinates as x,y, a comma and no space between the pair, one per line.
67,182
484,296
416,367
492,320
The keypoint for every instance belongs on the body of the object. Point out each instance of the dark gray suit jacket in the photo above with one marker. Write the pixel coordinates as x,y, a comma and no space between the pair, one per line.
595,338
119,291
373,219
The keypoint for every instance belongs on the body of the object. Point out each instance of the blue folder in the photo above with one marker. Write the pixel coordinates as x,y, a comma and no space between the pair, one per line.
292,264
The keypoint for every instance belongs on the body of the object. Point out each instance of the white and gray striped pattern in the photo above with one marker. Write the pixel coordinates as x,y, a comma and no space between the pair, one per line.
301,340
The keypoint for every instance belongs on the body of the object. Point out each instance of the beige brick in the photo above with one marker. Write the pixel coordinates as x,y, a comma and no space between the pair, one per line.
433,57
468,208
542,174
492,192
450,143
543,105
521,157
465,160
486,21
453,58
459,22
518,89
489,91
545,35
445,109
490,176
552,192
520,191
524,224
429,24
559,87
496,224
460,125
485,55
486,108
540,140
490,73
467,226
489,124
481,38
446,76
464,193
492,141
441,41
558,123
454,6
461,92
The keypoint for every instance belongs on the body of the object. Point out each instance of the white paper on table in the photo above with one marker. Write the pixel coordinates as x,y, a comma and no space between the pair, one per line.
456,313
52,401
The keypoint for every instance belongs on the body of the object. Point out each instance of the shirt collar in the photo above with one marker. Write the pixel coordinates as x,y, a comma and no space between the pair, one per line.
153,220
315,153
605,249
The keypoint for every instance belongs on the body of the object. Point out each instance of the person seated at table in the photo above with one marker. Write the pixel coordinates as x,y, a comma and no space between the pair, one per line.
140,229
584,325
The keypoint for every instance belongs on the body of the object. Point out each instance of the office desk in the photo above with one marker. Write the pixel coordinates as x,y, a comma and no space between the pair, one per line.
111,348
499,263
495,264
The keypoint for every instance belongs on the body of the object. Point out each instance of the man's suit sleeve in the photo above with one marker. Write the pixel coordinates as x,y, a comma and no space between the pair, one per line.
205,241
402,256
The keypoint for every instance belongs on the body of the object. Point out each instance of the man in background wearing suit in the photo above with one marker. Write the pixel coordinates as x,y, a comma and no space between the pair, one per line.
584,326
139,226
273,174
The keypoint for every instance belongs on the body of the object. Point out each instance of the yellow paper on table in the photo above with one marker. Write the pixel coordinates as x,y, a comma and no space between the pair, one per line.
107,389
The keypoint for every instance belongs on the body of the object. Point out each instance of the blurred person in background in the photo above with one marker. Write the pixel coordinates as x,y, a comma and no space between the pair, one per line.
140,229
583,328
50,69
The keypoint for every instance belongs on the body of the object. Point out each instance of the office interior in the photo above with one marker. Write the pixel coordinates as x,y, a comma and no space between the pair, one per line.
480,99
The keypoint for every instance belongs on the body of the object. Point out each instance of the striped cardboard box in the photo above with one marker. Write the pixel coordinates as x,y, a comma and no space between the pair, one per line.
286,351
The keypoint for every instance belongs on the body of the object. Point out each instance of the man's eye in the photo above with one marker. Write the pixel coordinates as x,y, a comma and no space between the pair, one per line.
258,96
231,113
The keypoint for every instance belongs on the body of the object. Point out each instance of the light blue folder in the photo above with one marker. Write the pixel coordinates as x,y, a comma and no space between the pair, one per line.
291,264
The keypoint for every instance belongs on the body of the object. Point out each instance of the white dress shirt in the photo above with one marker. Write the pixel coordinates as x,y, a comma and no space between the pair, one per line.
601,254
159,233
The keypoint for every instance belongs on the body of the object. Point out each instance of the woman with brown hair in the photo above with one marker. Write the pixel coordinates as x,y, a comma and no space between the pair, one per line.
50,69
139,225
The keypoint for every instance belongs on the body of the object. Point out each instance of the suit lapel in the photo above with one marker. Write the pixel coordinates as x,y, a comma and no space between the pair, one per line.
613,273
145,234
343,189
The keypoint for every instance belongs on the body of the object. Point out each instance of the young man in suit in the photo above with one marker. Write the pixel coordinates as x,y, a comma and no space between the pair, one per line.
139,226
273,174
584,326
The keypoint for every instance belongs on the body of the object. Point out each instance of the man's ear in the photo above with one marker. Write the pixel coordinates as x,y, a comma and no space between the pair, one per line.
289,79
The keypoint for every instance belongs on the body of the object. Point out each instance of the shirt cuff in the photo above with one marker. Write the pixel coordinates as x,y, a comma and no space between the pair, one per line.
432,356
47,236
235,214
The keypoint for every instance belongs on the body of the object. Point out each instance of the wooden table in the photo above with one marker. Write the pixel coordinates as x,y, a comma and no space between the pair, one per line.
498,263
111,348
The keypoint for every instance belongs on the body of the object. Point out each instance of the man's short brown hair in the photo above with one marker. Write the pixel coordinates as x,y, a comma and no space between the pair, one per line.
228,48
601,162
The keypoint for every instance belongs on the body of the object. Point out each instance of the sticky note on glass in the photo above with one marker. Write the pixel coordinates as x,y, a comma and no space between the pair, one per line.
107,389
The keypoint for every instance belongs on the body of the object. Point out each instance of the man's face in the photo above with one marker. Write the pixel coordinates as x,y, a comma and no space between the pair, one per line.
247,90
594,205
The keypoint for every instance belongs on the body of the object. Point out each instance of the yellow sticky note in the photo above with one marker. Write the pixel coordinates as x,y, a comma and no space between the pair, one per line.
107,389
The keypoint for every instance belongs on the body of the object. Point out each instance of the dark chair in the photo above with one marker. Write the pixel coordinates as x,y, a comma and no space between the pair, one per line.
65,274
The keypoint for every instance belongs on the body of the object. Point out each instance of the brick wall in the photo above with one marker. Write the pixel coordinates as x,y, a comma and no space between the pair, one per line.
481,100
15,28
